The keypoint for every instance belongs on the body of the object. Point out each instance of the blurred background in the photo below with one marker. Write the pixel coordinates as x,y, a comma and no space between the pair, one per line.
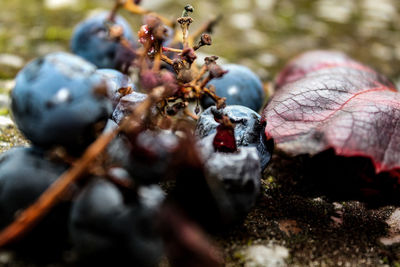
262,34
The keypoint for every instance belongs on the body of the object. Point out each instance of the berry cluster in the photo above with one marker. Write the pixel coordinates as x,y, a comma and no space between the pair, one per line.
122,172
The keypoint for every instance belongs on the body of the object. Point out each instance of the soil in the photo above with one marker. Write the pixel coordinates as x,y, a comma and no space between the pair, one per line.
323,232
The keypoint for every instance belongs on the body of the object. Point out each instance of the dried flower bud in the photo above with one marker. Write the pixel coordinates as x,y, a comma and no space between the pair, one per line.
189,55
187,10
205,39
160,33
216,71
152,22
177,64
210,60
185,20
185,76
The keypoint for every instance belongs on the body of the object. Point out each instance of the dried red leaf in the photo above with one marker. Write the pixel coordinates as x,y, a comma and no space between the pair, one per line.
314,61
327,100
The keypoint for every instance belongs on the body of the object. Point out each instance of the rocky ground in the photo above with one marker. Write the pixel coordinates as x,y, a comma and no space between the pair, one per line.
285,228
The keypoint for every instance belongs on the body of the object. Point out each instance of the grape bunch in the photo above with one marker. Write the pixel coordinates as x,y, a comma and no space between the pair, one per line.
136,148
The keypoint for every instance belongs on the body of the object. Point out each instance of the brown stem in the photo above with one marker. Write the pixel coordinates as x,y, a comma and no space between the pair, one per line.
185,32
118,4
126,44
144,53
167,60
34,213
205,81
135,9
157,58
200,74
170,49
206,27
190,114
220,101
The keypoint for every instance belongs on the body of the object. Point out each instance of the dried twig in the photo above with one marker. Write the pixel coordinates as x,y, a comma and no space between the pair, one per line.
33,214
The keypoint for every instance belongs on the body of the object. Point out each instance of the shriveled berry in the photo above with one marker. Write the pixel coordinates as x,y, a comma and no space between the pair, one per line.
126,104
248,129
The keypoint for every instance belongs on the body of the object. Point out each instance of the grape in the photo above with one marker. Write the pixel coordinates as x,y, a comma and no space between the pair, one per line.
240,86
91,41
59,99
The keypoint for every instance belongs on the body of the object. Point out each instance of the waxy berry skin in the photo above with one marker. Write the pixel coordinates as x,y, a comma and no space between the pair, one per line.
125,105
109,232
25,174
59,99
223,190
240,86
248,129
148,157
91,41
238,179
119,84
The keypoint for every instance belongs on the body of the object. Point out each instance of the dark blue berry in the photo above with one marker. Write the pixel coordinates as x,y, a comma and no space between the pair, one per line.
107,231
126,104
119,84
147,157
224,190
248,129
240,86
236,179
59,99
25,174
91,41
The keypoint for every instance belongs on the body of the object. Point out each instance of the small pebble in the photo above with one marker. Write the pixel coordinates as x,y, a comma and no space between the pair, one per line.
271,255
11,61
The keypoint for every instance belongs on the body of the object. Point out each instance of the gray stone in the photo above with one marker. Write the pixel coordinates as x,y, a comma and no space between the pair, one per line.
265,256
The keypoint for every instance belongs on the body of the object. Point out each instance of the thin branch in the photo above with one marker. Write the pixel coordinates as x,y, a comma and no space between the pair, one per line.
34,213
136,9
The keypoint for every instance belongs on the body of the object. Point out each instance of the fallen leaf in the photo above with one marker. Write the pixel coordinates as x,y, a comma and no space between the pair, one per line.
327,100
